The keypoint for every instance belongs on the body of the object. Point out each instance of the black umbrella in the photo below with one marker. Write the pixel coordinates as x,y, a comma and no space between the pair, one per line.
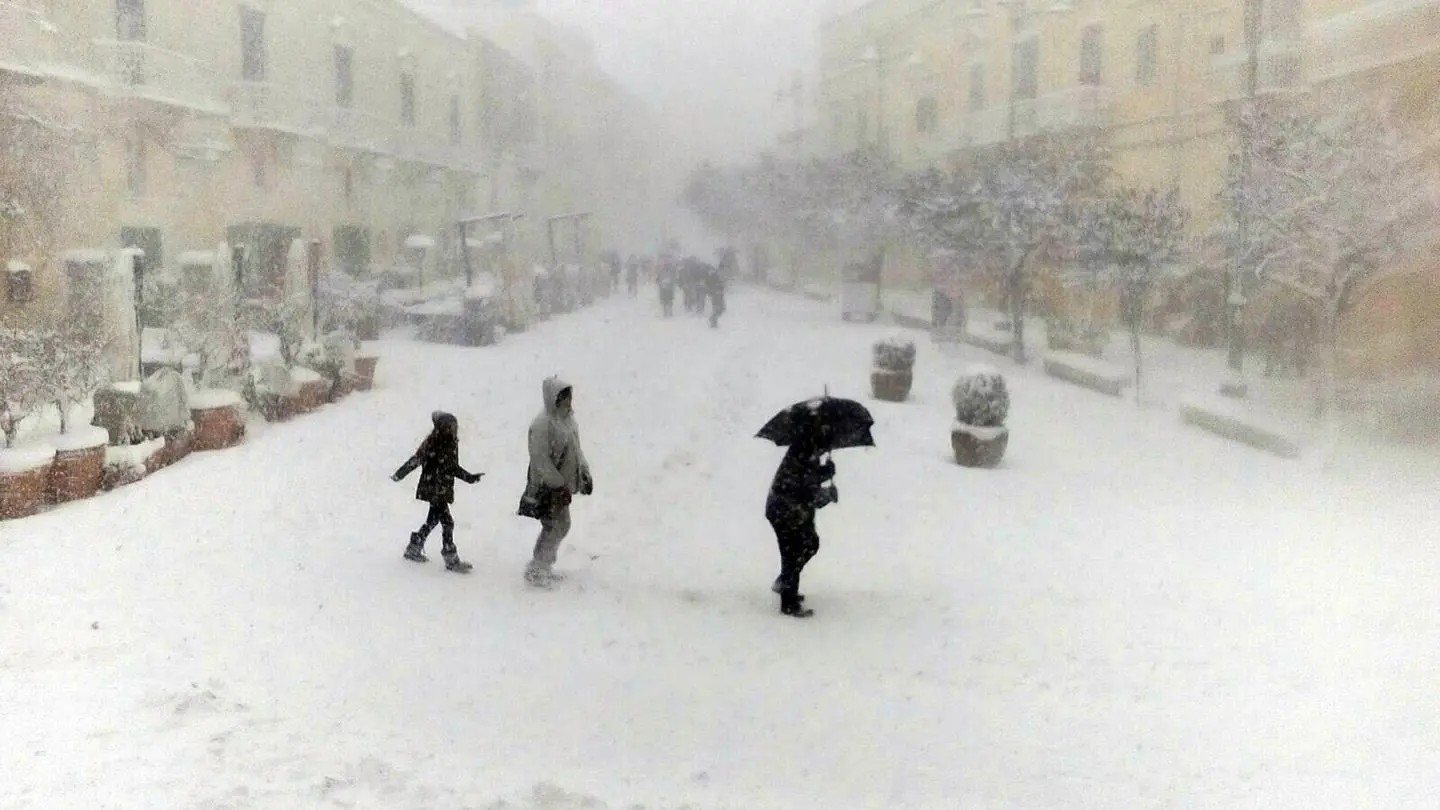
826,422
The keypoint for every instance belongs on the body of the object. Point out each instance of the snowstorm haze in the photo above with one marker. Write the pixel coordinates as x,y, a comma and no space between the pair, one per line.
712,68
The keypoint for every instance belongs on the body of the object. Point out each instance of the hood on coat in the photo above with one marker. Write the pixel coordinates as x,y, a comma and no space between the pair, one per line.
552,388
445,422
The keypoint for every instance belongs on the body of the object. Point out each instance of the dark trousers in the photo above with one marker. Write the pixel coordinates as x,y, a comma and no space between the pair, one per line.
940,308
717,308
439,515
667,302
799,542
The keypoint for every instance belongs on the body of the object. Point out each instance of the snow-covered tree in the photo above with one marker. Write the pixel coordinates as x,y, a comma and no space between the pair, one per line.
1332,202
71,364
1011,207
1135,236
21,383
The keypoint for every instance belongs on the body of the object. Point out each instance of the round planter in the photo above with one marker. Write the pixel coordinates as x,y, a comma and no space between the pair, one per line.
891,385
979,446
365,370
312,395
217,418
24,480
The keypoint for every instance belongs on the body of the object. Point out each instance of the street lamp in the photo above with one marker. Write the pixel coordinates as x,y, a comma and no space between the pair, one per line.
1236,285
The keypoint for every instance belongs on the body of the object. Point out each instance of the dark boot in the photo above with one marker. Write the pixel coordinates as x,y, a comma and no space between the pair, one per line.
450,554
416,550
792,604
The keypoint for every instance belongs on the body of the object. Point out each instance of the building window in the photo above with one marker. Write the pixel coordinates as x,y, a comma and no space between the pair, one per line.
20,286
927,115
260,171
1026,60
1217,44
1145,46
136,168
454,120
977,88
1091,55
344,77
130,20
252,45
407,98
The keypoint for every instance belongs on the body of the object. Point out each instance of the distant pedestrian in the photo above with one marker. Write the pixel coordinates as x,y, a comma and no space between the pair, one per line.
665,280
715,290
438,458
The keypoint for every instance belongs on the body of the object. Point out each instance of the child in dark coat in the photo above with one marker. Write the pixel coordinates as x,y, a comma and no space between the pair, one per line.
439,461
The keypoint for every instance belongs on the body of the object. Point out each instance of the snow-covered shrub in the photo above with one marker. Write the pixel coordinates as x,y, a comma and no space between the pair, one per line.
72,366
895,354
981,398
21,383
312,355
348,304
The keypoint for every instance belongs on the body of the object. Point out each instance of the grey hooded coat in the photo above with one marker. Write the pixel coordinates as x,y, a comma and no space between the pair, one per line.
556,459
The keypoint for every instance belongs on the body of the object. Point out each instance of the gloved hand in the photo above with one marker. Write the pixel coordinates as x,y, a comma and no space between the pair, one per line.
827,470
474,478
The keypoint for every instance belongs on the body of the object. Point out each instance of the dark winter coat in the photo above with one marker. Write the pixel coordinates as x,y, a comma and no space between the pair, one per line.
799,481
439,461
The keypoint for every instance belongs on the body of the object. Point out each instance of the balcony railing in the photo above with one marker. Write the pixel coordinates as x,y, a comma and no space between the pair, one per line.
267,106
1280,70
354,129
1377,34
139,69
29,42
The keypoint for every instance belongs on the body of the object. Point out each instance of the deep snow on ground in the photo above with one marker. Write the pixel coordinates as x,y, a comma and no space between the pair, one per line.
1126,614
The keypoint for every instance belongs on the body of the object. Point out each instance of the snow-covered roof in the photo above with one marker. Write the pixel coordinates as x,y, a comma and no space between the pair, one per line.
192,258
85,256
418,240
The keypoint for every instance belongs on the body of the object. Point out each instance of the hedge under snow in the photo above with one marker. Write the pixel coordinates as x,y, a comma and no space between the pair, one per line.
980,397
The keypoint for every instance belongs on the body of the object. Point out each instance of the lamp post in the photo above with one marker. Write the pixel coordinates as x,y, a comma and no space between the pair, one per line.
137,273
872,56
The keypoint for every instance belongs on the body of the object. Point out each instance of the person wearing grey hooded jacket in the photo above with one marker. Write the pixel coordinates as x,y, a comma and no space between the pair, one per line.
558,471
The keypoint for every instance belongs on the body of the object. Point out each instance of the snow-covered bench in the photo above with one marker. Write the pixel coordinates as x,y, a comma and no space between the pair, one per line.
1232,421
1087,372
993,341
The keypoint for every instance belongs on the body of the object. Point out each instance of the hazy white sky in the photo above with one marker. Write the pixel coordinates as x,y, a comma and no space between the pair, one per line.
714,66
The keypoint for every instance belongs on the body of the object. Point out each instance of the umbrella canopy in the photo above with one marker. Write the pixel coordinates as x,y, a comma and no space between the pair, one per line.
828,423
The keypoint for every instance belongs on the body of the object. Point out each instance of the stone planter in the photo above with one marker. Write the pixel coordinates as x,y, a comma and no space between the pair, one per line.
24,479
891,385
982,447
218,420
313,394
115,476
365,370
177,446
79,466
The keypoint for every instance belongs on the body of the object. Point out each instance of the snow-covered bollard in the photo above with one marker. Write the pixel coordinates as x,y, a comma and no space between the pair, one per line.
893,371
24,479
79,465
979,436
218,421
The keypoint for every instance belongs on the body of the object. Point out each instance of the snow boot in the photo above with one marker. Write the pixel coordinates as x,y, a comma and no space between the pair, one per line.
791,605
537,576
415,552
458,565
778,586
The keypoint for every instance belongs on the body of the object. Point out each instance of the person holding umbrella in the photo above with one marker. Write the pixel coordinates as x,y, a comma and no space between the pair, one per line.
803,483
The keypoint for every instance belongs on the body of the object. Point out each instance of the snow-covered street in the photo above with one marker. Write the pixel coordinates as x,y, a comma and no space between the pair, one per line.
1125,614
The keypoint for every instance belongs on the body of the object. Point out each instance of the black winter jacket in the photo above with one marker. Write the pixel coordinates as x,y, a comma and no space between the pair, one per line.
438,458
798,480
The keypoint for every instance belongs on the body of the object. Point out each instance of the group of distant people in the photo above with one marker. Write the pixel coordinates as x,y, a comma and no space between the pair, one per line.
698,282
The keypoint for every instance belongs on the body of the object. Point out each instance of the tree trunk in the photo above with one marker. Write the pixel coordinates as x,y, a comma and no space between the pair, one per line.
1017,314
1135,348
64,422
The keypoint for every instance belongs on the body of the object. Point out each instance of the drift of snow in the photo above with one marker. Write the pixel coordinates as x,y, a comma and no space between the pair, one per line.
25,459
223,398
81,437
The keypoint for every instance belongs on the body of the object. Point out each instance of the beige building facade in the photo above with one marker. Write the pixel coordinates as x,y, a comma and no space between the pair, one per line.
933,81
355,123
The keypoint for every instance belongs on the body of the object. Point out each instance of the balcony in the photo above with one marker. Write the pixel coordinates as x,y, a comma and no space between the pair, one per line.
30,43
140,70
350,128
267,106
1080,107
1378,34
1280,70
